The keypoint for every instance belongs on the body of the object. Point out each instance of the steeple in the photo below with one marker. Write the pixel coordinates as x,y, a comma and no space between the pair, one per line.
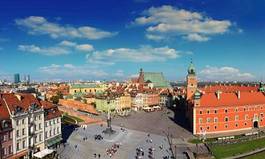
191,68
141,76
191,82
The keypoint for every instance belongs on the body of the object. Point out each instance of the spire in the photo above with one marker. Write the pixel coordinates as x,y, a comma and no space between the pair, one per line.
191,69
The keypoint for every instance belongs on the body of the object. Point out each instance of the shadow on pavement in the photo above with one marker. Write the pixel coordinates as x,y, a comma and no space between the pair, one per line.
67,130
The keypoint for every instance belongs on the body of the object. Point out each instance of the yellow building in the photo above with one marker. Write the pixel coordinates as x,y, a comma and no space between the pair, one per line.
87,88
123,104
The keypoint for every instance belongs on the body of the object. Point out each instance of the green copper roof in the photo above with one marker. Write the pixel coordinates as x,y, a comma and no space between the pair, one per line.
191,69
91,85
156,78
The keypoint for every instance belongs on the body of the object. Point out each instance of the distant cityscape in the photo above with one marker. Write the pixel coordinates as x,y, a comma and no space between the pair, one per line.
132,79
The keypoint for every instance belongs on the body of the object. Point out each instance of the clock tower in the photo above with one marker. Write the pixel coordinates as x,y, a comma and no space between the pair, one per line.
192,82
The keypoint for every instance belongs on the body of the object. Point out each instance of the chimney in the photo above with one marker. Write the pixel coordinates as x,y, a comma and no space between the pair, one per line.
218,94
238,94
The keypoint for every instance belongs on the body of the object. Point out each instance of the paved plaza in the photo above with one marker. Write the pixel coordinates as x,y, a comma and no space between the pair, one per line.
159,122
128,140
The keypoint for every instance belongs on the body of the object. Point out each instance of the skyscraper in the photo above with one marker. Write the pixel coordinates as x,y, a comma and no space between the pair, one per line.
16,78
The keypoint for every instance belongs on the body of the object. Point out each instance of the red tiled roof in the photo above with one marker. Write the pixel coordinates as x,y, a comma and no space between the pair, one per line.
4,114
228,88
231,99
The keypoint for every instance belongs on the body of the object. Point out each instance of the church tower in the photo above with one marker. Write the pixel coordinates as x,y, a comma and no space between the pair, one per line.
192,82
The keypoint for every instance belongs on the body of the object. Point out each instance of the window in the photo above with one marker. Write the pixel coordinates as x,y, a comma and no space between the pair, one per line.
208,120
226,119
215,119
54,131
10,150
40,138
23,131
18,146
4,151
261,114
5,138
17,122
39,117
208,127
17,133
75,91
215,127
200,120
208,111
10,135
24,144
236,118
23,121
50,133
245,124
215,111
236,124
200,112
54,121
39,126
226,110
35,139
46,124
246,117
236,110
58,130
226,126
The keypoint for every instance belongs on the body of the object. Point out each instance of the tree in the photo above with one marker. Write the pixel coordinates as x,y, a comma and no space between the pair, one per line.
55,99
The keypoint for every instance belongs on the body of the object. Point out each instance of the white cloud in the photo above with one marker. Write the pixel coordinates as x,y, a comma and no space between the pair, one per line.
154,37
50,51
142,54
168,21
40,25
67,43
62,48
70,71
225,73
85,47
196,37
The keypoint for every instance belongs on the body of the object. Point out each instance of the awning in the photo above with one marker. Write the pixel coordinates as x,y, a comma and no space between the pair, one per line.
43,153
54,140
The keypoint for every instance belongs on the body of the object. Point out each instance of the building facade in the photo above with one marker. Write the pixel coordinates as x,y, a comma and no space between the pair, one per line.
27,117
226,109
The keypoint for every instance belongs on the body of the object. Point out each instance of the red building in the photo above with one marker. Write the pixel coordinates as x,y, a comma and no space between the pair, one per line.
224,108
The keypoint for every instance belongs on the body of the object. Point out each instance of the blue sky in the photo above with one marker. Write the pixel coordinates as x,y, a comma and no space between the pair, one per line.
85,39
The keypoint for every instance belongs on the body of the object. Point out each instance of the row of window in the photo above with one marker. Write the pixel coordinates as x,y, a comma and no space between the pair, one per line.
226,119
236,110
22,121
6,137
22,145
6,151
52,133
226,126
54,121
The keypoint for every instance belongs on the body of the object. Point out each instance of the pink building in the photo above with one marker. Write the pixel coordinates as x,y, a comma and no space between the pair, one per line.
6,142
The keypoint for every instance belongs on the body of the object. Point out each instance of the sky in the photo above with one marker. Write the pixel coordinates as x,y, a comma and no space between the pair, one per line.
113,39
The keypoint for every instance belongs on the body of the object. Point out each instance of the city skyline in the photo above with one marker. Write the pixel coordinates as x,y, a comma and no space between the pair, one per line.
114,39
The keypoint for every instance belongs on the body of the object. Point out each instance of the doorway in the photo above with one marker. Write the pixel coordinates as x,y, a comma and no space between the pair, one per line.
256,124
